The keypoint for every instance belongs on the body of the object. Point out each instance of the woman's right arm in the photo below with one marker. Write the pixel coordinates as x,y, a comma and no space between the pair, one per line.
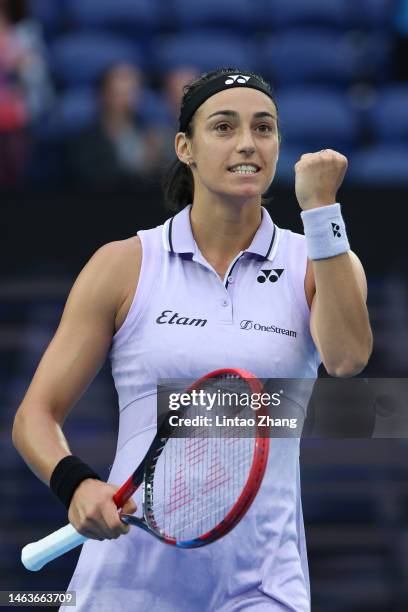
71,361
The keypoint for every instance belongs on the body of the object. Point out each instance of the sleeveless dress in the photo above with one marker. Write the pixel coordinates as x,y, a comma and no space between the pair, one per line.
185,321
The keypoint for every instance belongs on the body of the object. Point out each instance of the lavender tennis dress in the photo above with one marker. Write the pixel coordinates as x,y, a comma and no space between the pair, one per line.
184,322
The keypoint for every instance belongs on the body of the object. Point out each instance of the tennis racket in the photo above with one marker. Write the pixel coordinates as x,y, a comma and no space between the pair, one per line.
195,489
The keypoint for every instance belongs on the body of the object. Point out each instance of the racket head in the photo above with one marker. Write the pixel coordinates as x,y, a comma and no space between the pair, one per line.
197,489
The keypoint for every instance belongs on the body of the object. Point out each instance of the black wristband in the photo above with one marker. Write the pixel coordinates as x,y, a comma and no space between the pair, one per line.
67,476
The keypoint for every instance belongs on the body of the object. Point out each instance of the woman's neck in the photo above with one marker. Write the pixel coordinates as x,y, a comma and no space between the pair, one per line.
223,229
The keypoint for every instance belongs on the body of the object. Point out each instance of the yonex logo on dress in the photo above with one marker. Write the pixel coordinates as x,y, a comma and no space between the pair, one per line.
272,275
238,78
336,230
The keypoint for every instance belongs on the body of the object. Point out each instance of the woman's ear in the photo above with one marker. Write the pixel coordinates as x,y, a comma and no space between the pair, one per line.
183,148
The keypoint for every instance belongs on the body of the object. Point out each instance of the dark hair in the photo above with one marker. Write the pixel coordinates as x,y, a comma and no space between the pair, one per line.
178,182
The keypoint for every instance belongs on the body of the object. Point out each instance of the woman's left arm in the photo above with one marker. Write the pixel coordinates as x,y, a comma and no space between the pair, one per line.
339,320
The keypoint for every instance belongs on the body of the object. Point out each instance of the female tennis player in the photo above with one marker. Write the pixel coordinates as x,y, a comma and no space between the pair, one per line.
180,300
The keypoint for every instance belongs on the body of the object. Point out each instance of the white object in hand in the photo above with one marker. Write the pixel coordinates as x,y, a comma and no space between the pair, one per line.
35,555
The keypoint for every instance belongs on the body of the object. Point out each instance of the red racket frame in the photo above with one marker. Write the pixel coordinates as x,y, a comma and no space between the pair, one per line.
254,480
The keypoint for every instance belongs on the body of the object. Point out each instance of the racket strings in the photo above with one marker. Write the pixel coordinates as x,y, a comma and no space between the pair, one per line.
198,494
211,480
198,526
198,479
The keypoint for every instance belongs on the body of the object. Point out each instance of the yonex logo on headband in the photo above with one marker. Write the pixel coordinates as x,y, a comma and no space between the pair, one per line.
215,85
237,78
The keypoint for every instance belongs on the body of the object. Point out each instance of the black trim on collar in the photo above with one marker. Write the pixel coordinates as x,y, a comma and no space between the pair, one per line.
272,241
170,233
230,272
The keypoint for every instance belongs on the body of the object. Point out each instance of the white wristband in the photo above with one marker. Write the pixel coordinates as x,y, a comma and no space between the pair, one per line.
325,232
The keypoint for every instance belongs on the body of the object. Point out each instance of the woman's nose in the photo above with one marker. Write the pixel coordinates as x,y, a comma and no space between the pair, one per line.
245,141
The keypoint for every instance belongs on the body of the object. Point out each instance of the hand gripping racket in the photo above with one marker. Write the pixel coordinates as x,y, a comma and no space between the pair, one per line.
195,489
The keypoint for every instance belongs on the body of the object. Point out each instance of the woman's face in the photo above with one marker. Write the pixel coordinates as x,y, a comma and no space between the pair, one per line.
235,144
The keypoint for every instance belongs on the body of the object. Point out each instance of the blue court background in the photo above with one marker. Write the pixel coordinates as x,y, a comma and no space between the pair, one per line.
336,69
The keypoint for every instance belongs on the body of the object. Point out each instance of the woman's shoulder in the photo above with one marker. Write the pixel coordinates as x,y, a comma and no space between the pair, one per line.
117,255
290,234
292,243
115,267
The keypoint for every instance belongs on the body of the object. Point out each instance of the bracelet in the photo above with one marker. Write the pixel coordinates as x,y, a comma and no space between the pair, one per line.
67,476
325,232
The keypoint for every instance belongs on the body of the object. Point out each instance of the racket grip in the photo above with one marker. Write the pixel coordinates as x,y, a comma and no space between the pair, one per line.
35,555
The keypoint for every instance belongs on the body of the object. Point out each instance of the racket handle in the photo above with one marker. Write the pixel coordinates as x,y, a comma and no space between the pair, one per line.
35,555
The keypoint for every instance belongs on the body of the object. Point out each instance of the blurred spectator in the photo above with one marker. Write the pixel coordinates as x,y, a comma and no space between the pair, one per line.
174,82
172,91
14,115
119,147
401,25
25,89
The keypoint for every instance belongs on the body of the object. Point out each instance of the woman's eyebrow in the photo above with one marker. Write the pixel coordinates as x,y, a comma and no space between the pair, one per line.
234,114
264,114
